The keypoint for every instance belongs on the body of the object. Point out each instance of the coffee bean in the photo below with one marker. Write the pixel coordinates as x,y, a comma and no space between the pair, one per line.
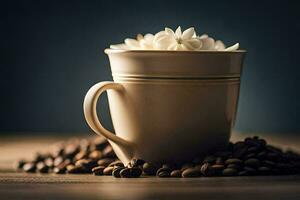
251,155
108,170
98,171
191,172
29,167
233,161
81,155
218,169
253,149
164,174
176,173
235,166
71,150
72,169
105,161
136,172
268,163
116,171
87,164
243,173
58,160
96,155
133,172
57,170
252,162
250,170
116,163
136,163
262,155
264,170
272,156
150,168
230,172
49,162
41,167
163,169
239,153
18,165
207,170
186,166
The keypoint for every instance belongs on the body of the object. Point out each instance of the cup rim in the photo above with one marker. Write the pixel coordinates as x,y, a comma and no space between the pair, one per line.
117,51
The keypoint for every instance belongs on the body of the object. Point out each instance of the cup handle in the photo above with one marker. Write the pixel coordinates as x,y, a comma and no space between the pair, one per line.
90,112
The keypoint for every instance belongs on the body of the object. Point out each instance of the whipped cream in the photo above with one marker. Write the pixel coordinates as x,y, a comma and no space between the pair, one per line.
179,40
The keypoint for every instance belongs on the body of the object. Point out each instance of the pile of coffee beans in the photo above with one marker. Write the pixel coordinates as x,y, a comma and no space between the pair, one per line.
250,157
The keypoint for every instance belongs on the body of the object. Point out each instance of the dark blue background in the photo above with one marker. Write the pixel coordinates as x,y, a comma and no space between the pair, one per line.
51,52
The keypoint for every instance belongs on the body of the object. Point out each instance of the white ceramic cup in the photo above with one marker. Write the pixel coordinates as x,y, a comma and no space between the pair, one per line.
168,105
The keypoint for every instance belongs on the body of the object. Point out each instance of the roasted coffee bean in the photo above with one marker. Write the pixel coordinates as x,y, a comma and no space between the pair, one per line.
38,158
252,162
96,155
268,163
105,161
251,155
108,171
243,173
72,169
233,161
81,155
264,170
116,171
135,162
239,153
41,167
133,172
98,171
235,166
253,149
209,159
163,174
58,170
261,155
230,172
71,150
176,173
18,165
207,170
163,169
136,172
58,160
116,163
186,166
29,167
250,170
108,152
272,156
218,169
191,172
150,168
86,164
49,162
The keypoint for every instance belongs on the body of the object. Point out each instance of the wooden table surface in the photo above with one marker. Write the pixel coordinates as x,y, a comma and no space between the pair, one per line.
35,186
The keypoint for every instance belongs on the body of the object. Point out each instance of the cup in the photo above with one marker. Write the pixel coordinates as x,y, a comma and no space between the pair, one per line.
168,105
